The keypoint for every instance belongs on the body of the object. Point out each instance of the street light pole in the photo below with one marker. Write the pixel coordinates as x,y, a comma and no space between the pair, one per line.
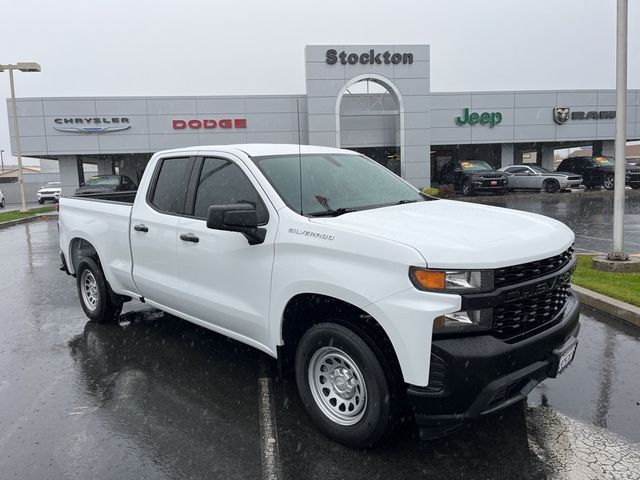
2,159
621,133
23,67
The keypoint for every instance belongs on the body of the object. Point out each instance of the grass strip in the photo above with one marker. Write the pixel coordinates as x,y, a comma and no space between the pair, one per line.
16,214
621,286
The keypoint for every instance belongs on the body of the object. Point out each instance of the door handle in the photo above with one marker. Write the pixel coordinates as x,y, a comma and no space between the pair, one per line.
189,237
141,228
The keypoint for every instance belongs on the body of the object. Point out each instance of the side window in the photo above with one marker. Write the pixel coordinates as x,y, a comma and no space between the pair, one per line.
222,182
517,170
171,185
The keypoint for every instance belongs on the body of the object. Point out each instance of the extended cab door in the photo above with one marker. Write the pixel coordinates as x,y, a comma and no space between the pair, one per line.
154,223
223,280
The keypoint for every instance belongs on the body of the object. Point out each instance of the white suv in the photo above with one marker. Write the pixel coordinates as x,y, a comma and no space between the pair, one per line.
50,191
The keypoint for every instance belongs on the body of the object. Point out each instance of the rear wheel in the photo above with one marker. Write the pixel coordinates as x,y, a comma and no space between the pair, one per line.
607,182
467,189
95,294
41,202
344,387
550,185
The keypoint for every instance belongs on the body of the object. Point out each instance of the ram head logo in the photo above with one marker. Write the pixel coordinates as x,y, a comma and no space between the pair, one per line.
561,115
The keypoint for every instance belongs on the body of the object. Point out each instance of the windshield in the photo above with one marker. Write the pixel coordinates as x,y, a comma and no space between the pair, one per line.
334,183
604,160
103,180
471,165
52,185
539,169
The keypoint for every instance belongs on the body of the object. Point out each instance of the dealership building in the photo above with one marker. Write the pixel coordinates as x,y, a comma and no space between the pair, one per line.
372,98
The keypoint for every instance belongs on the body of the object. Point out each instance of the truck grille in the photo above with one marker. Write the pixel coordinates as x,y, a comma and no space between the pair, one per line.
491,176
527,271
521,318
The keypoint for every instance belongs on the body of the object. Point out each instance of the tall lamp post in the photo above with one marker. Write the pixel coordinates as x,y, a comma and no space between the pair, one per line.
617,252
2,159
23,67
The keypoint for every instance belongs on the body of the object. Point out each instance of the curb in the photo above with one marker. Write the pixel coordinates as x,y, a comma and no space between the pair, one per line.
612,307
41,216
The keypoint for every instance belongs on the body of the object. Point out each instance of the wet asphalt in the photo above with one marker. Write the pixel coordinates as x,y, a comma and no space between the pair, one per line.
589,215
156,397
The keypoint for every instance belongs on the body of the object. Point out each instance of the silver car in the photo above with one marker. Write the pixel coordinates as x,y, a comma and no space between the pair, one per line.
533,177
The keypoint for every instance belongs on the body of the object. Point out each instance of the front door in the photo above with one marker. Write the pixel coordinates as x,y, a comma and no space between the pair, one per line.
223,280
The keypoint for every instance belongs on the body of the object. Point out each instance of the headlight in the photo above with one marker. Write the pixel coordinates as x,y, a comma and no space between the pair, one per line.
464,321
451,281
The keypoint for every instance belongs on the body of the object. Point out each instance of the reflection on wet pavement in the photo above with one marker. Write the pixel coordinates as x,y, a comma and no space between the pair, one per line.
590,216
156,397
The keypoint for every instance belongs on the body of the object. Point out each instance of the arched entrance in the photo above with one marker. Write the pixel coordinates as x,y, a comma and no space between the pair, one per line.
369,117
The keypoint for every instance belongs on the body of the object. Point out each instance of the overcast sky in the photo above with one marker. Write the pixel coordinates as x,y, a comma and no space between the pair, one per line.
158,47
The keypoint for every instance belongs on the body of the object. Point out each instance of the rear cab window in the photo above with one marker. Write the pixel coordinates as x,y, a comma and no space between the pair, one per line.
170,185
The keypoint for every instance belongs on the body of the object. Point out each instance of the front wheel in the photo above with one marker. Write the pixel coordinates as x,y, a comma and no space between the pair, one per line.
607,183
635,186
2,203
41,202
551,185
95,293
343,386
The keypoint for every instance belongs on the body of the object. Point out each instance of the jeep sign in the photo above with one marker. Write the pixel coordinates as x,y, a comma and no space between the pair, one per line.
485,118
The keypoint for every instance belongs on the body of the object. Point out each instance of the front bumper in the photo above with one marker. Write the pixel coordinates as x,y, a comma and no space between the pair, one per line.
477,375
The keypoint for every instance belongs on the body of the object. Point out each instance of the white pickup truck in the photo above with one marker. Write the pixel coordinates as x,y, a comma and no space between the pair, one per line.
378,296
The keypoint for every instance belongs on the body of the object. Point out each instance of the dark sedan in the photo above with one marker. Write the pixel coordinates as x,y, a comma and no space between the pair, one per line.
106,184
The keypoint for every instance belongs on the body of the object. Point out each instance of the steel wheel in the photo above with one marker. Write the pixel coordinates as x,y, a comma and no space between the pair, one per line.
608,182
337,386
89,289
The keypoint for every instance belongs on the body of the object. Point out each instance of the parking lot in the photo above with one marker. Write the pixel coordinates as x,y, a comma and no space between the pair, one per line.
156,397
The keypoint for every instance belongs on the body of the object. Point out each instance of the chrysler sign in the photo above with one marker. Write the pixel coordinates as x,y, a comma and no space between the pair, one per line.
91,124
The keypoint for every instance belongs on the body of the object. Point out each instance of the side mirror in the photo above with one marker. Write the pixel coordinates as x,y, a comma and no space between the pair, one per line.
239,217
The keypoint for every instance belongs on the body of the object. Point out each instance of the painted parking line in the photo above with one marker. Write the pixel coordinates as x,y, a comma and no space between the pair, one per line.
271,464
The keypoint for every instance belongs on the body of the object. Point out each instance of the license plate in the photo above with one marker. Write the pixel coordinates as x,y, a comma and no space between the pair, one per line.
494,182
564,356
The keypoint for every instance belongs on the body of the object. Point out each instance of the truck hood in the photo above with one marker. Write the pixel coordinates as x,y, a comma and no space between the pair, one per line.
452,234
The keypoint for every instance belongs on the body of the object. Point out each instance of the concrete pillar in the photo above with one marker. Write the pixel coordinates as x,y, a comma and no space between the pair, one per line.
105,167
608,148
507,154
546,157
71,173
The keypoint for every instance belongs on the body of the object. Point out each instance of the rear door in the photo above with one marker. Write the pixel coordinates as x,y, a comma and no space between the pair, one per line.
154,223
223,280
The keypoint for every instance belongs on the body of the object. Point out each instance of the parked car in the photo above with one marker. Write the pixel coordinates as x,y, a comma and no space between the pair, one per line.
599,171
473,176
1,199
533,177
375,295
106,184
49,191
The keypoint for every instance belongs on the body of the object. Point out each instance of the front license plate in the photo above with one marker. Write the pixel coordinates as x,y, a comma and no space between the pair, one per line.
494,182
564,356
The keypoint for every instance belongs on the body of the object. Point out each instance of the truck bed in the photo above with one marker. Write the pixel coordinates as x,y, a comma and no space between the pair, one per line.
115,197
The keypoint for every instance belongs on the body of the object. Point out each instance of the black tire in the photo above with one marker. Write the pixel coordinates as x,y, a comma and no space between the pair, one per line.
2,203
635,186
41,202
467,189
501,192
90,279
607,182
380,405
550,185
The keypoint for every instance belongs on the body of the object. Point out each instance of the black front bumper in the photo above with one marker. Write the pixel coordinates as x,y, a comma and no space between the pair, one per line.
477,375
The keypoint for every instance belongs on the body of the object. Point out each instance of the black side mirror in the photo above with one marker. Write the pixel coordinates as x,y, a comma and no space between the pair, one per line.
239,217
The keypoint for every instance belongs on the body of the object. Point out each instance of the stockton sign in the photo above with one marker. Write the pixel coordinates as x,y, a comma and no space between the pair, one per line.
474,118
91,124
561,115
368,58
209,123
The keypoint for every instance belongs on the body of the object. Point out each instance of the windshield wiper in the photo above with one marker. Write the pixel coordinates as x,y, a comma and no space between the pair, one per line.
402,202
333,213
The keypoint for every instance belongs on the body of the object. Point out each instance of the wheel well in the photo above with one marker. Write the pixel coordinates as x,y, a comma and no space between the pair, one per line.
79,249
308,309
